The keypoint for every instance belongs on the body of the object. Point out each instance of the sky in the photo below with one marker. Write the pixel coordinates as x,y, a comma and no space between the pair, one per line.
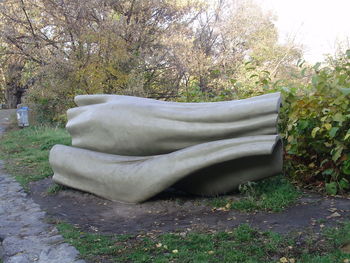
317,25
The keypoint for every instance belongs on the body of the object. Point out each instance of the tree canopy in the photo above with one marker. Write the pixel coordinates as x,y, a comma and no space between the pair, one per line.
55,49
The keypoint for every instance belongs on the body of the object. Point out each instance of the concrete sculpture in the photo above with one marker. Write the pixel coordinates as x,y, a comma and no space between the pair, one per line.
129,149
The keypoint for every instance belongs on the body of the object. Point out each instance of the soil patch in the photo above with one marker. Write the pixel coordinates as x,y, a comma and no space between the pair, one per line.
174,211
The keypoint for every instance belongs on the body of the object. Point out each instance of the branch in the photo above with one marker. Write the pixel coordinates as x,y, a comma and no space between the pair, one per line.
24,52
29,22
130,12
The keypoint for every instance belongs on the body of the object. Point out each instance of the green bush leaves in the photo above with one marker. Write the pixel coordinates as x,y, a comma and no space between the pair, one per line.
316,127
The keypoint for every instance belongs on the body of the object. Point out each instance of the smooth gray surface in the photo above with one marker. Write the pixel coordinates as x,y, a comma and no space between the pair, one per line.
135,179
135,126
129,149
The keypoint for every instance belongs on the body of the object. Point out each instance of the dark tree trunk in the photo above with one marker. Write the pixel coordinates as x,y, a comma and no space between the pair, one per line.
14,90
203,84
13,96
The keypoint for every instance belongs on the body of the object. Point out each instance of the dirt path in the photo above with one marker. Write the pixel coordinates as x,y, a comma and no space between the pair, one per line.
173,211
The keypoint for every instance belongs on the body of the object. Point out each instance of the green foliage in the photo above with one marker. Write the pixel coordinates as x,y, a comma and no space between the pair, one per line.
272,194
243,244
49,110
193,93
316,127
314,119
55,188
26,151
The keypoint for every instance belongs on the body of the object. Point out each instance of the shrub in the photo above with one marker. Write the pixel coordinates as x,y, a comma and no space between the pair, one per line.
316,127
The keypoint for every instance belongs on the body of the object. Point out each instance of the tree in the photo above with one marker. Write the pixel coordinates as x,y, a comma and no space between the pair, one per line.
151,48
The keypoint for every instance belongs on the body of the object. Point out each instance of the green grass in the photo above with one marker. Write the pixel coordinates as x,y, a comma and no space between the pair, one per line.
55,188
26,151
272,194
243,244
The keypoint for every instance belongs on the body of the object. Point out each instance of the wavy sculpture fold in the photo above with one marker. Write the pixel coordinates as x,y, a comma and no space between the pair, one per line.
129,149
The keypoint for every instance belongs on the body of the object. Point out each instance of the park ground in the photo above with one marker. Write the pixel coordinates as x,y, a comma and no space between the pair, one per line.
270,221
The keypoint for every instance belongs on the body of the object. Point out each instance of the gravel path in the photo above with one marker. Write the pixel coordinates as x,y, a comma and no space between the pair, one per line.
24,235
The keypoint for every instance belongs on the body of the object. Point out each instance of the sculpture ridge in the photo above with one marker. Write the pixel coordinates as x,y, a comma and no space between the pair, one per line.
129,149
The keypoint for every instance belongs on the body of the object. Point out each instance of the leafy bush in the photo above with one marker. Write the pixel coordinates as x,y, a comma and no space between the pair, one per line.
314,119
316,126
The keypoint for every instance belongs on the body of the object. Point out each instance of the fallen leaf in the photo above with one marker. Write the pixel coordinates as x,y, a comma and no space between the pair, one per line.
345,248
210,252
283,260
291,260
183,234
335,214
159,245
312,165
222,209
346,260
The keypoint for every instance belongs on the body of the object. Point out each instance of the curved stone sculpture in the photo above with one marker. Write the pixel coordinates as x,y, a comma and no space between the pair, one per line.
134,126
129,149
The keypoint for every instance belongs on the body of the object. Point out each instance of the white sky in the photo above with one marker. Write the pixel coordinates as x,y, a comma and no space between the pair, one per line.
316,24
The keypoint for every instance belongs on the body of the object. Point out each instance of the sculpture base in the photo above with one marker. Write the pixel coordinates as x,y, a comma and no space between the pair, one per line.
211,168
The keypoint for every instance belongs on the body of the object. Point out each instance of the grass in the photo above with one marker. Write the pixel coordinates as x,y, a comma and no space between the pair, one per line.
272,194
243,244
26,151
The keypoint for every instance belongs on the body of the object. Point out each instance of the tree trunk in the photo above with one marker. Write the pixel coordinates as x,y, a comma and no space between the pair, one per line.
203,83
13,89
13,96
